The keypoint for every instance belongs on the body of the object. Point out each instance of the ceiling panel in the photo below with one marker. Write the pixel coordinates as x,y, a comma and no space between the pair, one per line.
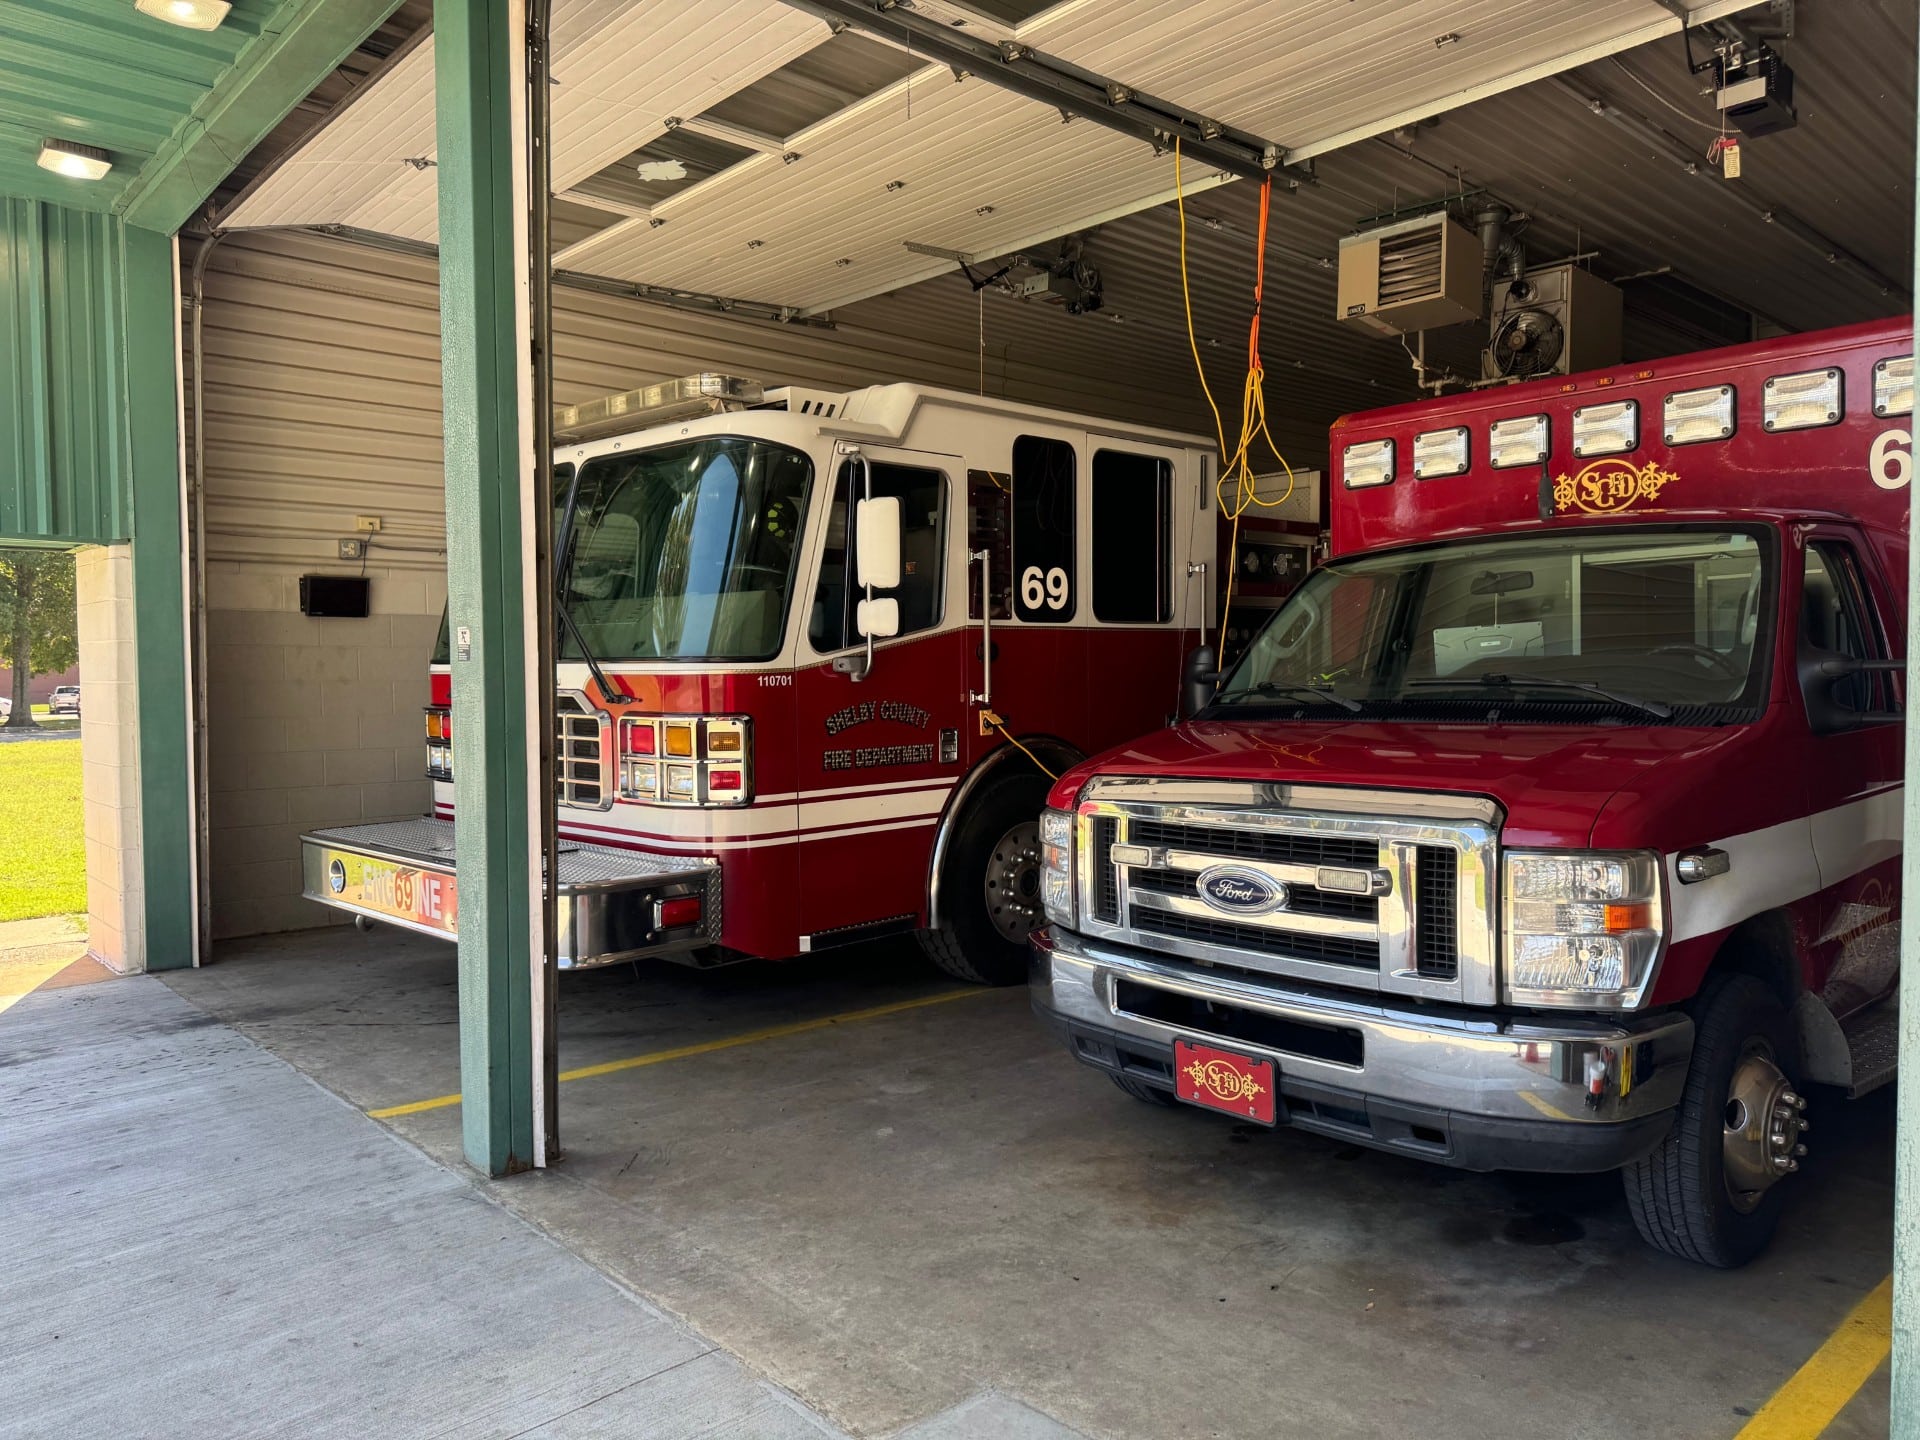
966,166
363,167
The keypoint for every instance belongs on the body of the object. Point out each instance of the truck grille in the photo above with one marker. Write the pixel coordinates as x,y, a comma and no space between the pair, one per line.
1407,907
580,766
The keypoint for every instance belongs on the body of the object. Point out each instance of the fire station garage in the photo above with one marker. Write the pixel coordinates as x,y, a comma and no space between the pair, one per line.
935,718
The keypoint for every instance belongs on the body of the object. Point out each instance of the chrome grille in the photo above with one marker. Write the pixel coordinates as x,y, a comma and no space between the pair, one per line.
1378,890
582,768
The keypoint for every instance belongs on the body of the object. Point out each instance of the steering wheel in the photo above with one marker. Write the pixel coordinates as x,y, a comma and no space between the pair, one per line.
1711,658
781,519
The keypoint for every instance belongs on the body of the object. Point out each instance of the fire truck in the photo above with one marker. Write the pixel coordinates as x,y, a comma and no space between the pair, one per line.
1555,823
820,653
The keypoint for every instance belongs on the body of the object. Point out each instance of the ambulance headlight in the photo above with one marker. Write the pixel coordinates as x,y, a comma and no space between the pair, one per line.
1056,866
1581,928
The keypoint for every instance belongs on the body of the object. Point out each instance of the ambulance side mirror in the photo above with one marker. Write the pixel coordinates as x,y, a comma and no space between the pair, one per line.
876,528
1197,681
1822,673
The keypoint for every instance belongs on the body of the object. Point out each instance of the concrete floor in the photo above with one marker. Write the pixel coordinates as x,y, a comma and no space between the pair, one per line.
892,1216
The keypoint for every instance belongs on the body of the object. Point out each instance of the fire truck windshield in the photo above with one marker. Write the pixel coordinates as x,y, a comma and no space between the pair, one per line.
685,551
1648,625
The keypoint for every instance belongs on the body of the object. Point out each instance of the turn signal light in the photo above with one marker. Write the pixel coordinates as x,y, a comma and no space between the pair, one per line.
679,740
723,742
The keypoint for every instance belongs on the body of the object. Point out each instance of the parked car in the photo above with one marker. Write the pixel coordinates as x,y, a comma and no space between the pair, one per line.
6,707
65,700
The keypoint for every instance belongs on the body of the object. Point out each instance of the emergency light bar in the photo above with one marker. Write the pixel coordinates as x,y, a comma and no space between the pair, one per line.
680,399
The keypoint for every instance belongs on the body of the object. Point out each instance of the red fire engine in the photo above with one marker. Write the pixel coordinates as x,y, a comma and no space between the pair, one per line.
1554,824
816,648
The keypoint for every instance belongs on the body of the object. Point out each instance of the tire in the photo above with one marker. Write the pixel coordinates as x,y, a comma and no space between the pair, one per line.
1140,1090
1682,1199
976,938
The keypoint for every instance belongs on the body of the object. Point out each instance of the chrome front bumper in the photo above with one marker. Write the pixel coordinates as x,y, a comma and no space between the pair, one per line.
401,873
1481,1092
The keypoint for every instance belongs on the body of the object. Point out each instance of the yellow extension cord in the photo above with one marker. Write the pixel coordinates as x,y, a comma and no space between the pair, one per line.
1237,467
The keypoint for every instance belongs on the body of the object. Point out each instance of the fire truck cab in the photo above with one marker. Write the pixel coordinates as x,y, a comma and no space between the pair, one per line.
815,650
1555,824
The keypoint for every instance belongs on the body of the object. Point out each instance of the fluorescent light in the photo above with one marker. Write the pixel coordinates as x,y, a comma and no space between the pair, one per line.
188,14
77,162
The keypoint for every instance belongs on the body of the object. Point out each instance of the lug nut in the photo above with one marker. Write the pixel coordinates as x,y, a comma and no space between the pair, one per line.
1799,1102
1805,1125
1782,1163
1799,1150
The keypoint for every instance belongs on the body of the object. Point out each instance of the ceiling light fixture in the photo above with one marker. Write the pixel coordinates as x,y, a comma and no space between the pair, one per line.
187,14
76,161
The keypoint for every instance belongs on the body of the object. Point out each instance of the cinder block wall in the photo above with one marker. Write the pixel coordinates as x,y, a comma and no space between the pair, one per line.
313,722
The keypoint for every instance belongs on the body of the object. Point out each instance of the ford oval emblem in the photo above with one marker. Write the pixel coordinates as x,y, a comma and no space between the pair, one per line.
1240,891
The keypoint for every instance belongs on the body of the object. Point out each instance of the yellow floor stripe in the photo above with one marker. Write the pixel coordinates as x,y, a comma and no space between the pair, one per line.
1804,1406
707,1047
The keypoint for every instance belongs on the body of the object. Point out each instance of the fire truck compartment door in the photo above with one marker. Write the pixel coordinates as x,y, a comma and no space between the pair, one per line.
613,904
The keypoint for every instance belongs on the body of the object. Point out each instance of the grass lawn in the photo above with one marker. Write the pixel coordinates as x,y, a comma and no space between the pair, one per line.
43,855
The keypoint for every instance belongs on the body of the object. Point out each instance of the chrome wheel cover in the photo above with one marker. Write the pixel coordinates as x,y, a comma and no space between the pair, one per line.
1761,1126
1011,886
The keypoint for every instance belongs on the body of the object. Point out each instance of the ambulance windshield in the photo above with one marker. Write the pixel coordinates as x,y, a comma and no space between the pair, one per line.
1641,625
684,552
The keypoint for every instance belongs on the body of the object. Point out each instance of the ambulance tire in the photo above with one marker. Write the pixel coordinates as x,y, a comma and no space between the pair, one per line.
1678,1194
1140,1090
967,944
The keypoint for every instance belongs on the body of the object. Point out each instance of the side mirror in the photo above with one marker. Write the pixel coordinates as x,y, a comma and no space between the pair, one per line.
1197,680
877,619
1821,674
876,528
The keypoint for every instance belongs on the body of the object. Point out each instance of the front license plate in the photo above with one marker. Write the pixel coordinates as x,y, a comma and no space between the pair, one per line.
1221,1080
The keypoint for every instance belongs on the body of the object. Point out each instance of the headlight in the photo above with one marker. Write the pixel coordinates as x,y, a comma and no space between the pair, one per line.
1582,928
1056,866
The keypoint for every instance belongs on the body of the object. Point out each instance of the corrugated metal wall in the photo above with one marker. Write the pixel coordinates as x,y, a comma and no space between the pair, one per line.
322,385
64,459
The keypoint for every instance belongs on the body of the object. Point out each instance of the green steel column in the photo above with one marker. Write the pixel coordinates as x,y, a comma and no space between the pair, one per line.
1906,1177
159,597
478,48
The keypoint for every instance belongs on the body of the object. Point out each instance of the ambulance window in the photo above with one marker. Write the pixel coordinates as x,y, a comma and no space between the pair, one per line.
990,528
1835,616
1043,529
1132,537
923,548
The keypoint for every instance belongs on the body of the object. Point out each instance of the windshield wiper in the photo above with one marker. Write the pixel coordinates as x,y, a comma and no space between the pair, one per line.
1545,682
1281,687
564,549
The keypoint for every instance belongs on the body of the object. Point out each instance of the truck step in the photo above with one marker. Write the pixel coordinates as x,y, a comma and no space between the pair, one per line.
1873,1037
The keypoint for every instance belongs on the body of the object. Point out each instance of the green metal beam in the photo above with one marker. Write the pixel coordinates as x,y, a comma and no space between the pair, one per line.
482,351
275,72
151,354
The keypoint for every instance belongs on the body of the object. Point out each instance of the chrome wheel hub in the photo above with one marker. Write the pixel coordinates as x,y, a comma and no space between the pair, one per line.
1762,1129
1012,883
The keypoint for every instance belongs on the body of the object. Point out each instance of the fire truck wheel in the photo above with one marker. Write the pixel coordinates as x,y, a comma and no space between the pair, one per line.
990,883
1710,1193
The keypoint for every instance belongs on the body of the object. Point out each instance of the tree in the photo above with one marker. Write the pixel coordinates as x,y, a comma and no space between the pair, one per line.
38,621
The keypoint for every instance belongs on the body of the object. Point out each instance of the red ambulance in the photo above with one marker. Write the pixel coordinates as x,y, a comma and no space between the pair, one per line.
1555,823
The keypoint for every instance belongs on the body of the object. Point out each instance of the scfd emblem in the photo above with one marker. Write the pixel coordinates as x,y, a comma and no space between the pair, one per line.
1606,487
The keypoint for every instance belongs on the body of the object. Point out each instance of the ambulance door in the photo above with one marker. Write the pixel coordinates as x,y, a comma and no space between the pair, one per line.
1854,771
879,741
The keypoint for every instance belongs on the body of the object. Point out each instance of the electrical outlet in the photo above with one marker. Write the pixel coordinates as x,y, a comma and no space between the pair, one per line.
367,524
352,548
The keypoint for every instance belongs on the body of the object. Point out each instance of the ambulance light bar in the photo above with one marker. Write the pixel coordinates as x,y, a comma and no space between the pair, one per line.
670,400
